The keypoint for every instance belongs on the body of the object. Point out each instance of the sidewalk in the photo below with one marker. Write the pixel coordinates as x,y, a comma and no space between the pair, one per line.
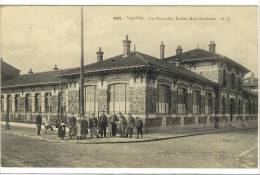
29,130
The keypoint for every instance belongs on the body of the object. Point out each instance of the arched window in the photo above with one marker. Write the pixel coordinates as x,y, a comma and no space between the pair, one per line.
48,102
38,102
208,103
182,100
239,106
224,77
224,104
9,103
118,98
28,103
90,99
233,81
196,101
163,102
2,103
16,102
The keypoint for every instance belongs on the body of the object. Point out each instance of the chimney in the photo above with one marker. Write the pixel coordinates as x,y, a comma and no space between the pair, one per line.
30,71
55,67
127,45
179,50
99,55
162,50
212,47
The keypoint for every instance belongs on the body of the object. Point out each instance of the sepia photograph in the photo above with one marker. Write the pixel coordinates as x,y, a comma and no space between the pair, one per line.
129,86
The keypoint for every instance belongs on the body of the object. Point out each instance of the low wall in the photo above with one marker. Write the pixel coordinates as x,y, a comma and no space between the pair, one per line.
29,117
155,123
178,122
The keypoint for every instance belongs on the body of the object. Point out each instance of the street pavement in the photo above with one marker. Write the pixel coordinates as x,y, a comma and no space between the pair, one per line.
234,149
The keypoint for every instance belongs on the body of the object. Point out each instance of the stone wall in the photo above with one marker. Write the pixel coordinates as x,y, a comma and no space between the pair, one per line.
73,101
137,103
102,100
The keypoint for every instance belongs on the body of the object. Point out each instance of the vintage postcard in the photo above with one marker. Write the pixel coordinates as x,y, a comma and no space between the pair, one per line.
129,87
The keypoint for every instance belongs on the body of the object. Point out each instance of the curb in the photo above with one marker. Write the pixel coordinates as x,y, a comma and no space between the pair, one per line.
42,138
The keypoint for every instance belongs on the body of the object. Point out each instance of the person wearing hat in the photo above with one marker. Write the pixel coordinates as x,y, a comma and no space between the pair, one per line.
139,127
103,123
130,125
122,124
38,123
114,121
61,130
84,128
93,122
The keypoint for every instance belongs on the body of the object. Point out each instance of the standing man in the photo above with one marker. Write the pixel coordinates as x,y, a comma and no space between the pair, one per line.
103,124
130,125
93,122
113,124
84,128
123,125
139,127
39,123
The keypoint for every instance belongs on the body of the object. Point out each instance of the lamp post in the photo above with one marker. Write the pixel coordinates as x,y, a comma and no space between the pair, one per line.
61,98
7,124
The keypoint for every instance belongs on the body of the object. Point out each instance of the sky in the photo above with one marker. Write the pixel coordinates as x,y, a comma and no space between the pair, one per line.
39,37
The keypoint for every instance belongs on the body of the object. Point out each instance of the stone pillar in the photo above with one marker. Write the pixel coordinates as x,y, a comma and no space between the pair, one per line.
43,102
190,107
13,102
137,98
244,109
220,105
73,101
102,94
213,110
21,106
66,100
202,103
228,107
5,102
33,101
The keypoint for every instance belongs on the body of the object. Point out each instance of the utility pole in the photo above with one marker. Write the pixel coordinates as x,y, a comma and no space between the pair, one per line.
81,92
81,81
61,98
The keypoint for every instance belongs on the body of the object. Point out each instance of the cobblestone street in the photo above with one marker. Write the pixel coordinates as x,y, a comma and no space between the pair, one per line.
236,149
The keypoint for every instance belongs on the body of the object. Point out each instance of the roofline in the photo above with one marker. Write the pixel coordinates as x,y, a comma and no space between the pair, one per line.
37,84
2,60
219,56
104,70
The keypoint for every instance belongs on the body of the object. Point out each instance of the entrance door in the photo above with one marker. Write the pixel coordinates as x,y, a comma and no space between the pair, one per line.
231,108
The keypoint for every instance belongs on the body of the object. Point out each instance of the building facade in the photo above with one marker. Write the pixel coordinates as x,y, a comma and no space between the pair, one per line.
197,88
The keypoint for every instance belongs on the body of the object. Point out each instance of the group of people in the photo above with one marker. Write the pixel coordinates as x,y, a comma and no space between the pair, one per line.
104,126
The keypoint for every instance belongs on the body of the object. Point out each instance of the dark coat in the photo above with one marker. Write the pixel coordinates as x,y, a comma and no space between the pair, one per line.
139,123
84,126
130,122
103,120
38,120
93,122
114,119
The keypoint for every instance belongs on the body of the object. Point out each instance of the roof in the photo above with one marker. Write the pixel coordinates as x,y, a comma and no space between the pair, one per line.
48,77
8,71
250,92
198,55
251,81
137,60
